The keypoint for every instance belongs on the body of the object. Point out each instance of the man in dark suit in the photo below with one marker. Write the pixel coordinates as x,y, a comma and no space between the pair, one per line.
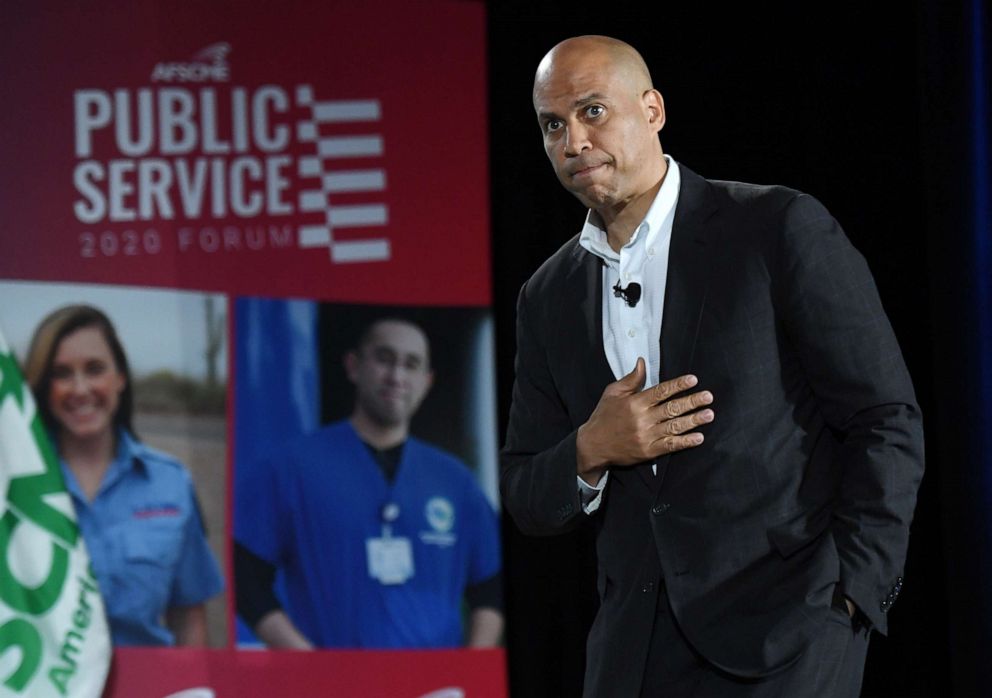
708,371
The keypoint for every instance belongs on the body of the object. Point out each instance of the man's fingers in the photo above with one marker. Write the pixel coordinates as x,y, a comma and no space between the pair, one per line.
688,422
671,444
666,389
670,435
680,406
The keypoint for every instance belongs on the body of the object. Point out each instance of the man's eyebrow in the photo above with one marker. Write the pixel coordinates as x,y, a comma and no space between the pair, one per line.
587,99
577,104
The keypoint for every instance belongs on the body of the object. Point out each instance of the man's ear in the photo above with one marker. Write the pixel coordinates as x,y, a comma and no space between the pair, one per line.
654,105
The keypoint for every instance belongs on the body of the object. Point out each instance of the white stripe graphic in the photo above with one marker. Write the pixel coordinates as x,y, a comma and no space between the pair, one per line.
315,236
346,111
310,166
306,131
357,216
376,250
354,180
338,180
312,201
350,146
304,95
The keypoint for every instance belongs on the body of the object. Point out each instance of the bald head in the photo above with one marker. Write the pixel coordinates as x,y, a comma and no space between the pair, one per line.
602,53
600,117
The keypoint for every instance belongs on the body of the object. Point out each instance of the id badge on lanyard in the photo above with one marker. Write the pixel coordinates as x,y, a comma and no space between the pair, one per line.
390,559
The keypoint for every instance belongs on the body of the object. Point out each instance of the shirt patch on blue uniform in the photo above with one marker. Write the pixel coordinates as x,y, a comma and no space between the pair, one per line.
440,515
154,512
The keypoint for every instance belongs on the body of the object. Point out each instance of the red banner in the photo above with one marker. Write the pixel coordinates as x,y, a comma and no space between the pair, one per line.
177,673
317,162
318,149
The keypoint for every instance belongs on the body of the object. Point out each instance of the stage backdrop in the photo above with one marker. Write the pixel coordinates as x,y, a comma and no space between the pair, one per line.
307,152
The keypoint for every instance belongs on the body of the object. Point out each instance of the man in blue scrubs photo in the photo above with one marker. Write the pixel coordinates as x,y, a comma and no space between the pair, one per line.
377,537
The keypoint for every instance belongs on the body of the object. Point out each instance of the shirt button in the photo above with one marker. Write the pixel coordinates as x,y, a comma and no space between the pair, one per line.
627,276
650,252
631,333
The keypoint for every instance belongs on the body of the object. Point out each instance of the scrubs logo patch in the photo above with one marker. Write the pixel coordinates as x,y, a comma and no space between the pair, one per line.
440,514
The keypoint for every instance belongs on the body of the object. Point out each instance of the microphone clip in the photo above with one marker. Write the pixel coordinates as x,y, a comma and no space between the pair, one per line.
631,294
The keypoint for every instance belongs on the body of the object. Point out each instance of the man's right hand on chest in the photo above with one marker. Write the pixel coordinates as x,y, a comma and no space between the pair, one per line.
631,425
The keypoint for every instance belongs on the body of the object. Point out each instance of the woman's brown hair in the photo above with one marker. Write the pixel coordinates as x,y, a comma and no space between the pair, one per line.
53,329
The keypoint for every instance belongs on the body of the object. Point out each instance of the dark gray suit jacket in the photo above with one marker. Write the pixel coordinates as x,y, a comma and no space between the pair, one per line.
808,475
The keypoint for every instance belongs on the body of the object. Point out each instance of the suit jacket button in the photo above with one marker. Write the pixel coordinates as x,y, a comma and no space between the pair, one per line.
659,509
649,586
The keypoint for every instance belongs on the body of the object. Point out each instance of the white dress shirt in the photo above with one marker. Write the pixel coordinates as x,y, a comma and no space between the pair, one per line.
632,332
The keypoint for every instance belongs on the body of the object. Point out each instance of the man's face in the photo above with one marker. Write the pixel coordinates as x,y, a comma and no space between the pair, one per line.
391,372
598,124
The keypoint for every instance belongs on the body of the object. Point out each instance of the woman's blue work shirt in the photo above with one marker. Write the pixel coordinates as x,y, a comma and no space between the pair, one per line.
146,542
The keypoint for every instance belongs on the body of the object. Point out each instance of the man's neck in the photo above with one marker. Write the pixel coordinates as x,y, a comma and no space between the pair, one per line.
620,222
380,436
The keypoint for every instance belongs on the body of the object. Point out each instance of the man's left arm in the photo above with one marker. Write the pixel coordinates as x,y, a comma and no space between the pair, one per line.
485,628
854,366
485,617
484,590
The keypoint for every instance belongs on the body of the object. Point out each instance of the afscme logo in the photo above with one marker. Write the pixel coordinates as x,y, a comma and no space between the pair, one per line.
207,65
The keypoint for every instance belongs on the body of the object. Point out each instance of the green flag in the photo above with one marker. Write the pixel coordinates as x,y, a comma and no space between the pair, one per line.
54,639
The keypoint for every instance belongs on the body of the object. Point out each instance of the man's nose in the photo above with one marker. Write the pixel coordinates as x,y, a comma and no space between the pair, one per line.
396,373
576,139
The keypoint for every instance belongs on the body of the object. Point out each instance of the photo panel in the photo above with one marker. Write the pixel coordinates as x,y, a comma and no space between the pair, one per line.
357,552
175,345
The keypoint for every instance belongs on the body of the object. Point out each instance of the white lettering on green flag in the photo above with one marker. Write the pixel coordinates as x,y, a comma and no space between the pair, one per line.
54,639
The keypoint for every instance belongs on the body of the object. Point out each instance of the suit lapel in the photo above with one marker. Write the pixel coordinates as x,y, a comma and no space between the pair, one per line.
588,277
688,279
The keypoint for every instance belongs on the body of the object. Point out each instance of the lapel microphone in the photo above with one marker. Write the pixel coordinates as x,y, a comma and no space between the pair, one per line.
631,294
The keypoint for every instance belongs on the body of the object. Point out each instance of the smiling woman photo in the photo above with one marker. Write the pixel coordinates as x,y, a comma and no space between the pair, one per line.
135,505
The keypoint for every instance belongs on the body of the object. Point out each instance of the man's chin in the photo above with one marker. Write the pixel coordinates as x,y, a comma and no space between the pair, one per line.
388,419
595,197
